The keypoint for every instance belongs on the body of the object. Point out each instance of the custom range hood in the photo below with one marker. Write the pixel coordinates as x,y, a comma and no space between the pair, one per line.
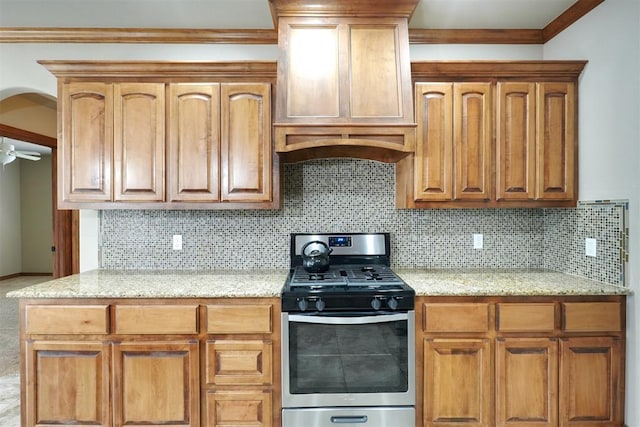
344,79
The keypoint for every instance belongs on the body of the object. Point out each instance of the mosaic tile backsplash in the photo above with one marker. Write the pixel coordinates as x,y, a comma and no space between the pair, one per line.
348,195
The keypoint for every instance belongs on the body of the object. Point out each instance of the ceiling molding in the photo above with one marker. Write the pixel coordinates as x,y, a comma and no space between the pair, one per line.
270,37
27,136
568,17
496,69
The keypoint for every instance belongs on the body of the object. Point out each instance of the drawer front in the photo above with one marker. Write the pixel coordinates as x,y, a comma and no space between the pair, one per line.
67,319
591,317
456,317
156,319
239,319
239,362
525,317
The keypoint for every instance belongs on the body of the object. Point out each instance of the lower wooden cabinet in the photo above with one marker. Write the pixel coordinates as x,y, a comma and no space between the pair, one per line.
525,362
231,408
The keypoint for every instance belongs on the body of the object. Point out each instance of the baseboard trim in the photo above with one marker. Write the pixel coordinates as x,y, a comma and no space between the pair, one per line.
13,276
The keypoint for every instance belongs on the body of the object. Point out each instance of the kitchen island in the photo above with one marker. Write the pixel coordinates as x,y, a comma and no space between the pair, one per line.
194,348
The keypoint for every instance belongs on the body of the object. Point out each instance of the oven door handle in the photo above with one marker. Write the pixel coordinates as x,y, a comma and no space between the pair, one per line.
348,320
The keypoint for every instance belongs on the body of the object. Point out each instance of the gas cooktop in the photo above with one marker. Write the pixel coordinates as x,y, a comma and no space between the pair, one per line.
358,277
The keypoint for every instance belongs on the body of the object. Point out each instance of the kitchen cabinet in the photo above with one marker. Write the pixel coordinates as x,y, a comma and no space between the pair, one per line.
492,135
556,361
166,135
141,362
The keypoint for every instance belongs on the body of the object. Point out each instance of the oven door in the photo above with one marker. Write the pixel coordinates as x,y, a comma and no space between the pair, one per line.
348,359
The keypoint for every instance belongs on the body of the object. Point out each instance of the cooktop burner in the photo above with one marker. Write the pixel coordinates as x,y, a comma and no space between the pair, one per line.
358,277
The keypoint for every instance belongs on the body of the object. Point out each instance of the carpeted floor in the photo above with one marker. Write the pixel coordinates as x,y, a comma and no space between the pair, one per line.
10,349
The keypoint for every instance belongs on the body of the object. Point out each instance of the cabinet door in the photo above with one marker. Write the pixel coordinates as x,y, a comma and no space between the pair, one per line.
472,135
434,146
515,141
457,383
590,371
138,142
246,156
67,383
84,163
194,142
156,383
527,382
556,141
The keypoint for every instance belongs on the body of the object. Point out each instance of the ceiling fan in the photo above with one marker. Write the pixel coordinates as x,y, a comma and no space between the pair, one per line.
8,153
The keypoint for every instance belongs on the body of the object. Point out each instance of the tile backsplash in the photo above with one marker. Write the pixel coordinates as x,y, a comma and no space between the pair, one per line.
348,195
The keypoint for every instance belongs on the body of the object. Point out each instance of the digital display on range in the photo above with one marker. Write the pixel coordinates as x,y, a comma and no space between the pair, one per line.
340,241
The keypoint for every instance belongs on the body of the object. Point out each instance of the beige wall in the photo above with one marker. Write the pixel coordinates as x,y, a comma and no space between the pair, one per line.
10,234
36,215
30,111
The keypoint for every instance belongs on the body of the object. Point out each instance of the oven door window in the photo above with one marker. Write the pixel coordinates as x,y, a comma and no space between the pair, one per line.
345,357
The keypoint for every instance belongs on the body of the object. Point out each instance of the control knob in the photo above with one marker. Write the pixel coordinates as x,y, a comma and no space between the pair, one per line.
320,304
302,304
376,304
392,303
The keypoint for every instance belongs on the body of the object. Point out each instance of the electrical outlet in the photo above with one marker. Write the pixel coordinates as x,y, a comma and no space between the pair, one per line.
590,247
477,241
177,242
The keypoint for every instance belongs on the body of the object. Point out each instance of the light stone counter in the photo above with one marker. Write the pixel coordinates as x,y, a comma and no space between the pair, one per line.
471,282
160,284
268,283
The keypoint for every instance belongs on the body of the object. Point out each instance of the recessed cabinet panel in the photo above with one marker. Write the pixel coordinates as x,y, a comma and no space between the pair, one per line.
194,142
246,142
239,408
313,70
156,319
434,150
515,141
239,319
456,317
138,142
84,171
526,317
591,317
232,362
67,319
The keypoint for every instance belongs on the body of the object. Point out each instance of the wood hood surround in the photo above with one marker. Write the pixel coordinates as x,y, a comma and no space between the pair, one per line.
344,79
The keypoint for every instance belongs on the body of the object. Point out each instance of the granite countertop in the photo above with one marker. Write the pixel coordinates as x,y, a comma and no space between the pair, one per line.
268,283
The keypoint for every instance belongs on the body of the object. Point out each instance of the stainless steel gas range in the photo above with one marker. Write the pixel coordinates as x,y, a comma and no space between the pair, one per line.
348,351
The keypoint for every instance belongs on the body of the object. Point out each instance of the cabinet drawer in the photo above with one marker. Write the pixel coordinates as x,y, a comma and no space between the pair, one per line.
156,319
239,319
67,319
239,362
591,317
456,317
524,317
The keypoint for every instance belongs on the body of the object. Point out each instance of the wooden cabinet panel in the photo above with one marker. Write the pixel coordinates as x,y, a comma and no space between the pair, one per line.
591,317
526,317
556,141
591,382
240,319
239,408
138,144
434,149
156,383
246,156
86,121
156,319
472,134
515,141
67,383
457,383
239,362
67,319
526,382
194,142
456,317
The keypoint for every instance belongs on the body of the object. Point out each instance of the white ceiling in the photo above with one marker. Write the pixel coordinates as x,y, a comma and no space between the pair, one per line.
255,14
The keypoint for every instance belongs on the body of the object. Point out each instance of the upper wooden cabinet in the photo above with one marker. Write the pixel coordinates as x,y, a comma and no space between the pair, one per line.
166,135
492,135
344,80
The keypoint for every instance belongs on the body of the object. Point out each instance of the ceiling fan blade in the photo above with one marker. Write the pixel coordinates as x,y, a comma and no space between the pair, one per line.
22,155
